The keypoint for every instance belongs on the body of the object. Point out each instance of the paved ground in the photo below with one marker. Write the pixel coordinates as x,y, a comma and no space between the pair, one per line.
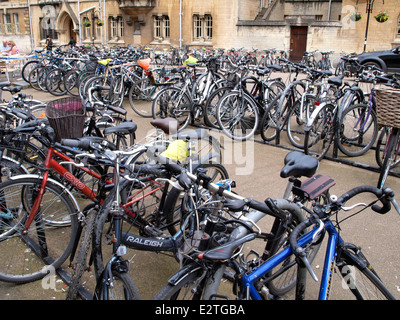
255,168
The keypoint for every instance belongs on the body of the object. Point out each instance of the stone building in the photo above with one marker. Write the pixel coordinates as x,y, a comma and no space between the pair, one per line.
299,25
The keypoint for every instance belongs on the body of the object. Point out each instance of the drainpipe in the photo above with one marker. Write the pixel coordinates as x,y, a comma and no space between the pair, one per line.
79,22
30,25
180,24
329,10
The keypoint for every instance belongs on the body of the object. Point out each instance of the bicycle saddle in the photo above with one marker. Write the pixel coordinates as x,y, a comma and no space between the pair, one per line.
275,67
263,71
168,125
297,164
337,81
122,128
12,89
226,250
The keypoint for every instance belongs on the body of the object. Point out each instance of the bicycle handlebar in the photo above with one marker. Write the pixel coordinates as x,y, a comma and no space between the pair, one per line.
384,195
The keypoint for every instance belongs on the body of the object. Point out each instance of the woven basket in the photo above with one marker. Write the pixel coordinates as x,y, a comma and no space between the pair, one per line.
388,107
67,117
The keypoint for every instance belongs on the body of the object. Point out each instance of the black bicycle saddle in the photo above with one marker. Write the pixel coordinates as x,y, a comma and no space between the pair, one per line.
297,164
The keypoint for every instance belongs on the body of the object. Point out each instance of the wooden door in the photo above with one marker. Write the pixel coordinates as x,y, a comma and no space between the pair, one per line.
298,42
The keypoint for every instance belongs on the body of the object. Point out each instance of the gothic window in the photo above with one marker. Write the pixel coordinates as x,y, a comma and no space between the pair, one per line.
202,27
161,27
117,28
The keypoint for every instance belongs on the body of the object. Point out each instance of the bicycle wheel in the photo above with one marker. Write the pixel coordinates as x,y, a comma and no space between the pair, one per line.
117,91
80,264
140,96
210,109
71,83
49,239
27,68
297,119
381,148
358,130
237,115
172,102
122,288
270,120
360,276
391,156
55,82
319,135
179,203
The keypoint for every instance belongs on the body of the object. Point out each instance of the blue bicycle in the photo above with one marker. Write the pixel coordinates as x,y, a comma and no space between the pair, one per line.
200,278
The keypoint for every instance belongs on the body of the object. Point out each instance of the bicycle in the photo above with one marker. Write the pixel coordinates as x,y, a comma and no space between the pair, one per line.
251,276
296,166
131,193
351,127
388,145
239,111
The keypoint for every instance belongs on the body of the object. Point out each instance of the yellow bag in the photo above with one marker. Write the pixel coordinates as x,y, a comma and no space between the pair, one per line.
191,60
177,151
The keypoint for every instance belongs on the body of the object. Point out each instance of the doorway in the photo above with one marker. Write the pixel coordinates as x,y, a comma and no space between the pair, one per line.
298,42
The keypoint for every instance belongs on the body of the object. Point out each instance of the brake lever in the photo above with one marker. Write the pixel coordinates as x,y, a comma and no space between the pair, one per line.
353,206
174,184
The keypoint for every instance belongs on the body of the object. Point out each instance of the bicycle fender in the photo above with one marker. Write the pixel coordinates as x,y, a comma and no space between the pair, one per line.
183,273
36,176
314,114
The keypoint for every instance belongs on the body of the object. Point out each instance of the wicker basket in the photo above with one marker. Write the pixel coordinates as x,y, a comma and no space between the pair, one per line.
67,117
388,106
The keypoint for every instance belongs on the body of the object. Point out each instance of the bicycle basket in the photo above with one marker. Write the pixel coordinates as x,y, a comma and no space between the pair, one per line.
388,106
91,65
67,117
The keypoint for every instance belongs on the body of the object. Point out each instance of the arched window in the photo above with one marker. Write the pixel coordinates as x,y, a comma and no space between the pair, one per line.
398,27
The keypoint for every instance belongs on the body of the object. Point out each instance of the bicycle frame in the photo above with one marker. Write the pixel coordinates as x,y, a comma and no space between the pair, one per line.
51,163
333,241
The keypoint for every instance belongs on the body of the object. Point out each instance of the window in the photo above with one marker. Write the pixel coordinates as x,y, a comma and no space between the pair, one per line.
16,22
202,27
7,23
198,28
161,27
47,28
86,28
398,27
117,28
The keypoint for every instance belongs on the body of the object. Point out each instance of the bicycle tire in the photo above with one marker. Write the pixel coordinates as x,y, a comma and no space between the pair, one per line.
381,147
172,102
319,135
71,83
366,284
27,68
390,155
29,253
238,116
210,109
55,82
172,209
269,121
123,288
357,137
80,264
295,123
140,96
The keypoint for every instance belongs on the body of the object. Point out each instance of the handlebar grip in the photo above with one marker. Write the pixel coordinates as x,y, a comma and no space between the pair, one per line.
73,143
117,109
150,169
296,232
386,205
